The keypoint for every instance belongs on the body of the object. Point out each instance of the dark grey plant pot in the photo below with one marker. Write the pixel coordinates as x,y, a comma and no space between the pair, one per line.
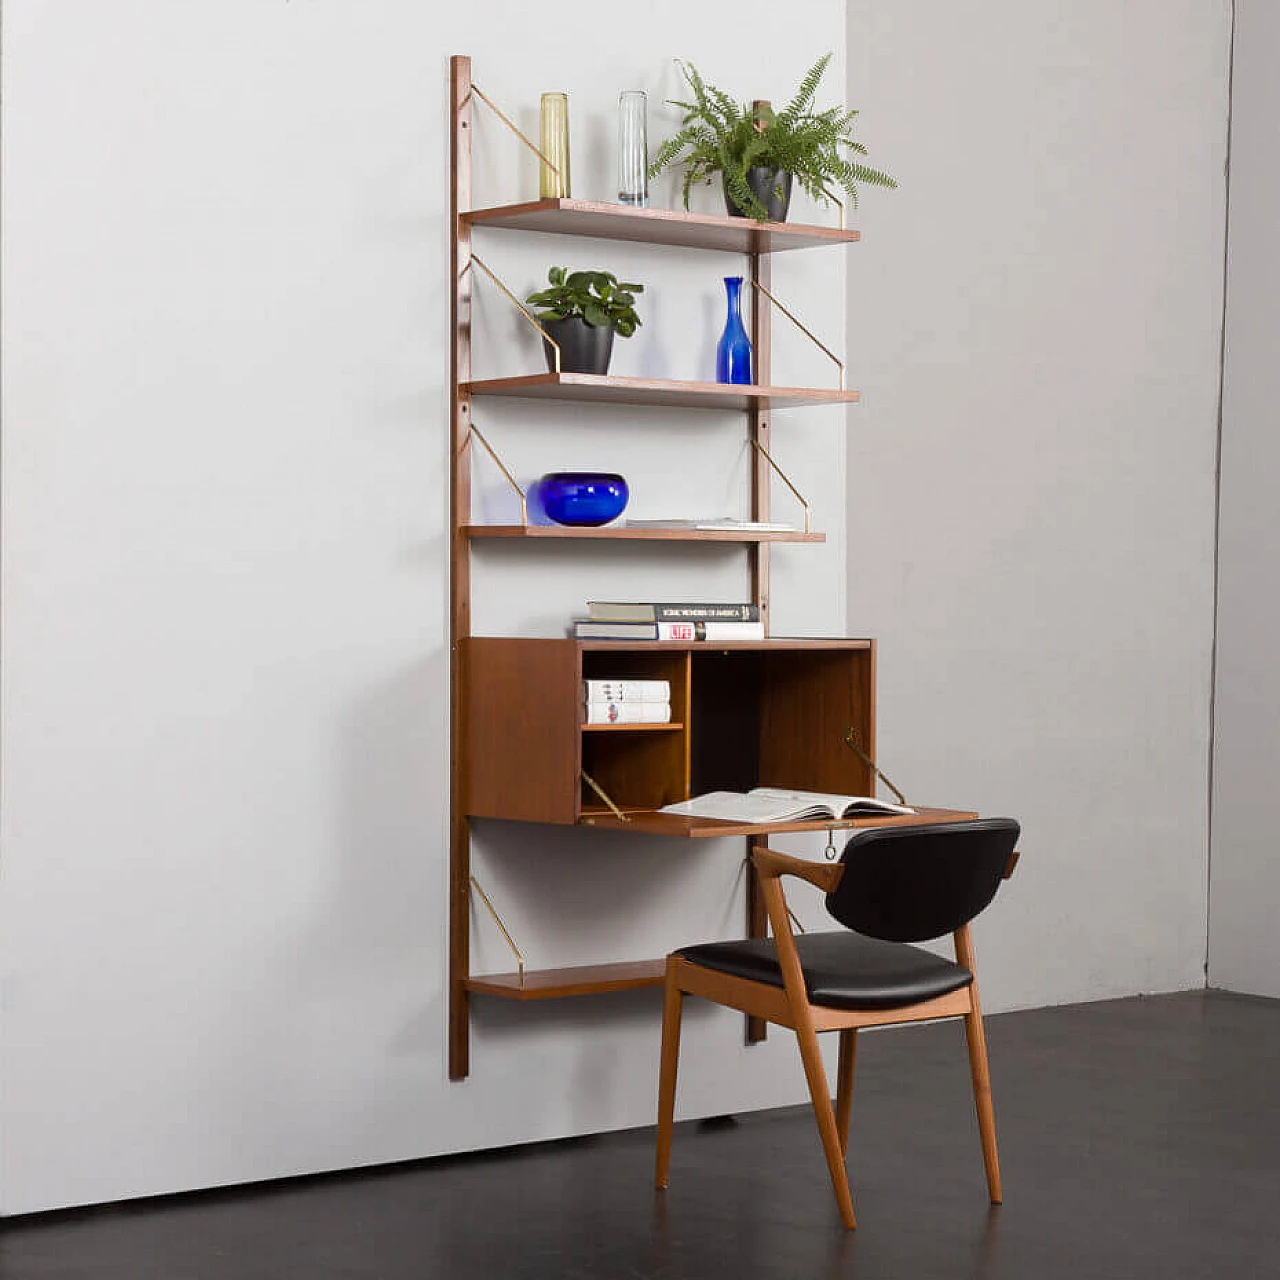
772,187
584,348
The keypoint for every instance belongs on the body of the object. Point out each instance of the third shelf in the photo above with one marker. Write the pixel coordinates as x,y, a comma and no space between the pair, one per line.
656,391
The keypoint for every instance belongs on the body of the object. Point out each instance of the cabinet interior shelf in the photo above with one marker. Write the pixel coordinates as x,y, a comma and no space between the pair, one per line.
657,226
668,727
598,389
651,535
583,980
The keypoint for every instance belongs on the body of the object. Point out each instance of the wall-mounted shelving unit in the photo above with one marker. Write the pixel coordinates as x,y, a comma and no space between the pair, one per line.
743,713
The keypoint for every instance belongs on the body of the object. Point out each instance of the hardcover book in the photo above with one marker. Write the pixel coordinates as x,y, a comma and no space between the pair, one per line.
626,690
586,629
628,713
638,611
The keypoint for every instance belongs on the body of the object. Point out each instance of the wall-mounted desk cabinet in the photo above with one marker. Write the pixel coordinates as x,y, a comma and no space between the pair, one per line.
744,714
767,713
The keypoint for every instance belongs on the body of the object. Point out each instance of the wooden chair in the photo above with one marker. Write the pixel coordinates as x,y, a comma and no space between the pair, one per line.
892,886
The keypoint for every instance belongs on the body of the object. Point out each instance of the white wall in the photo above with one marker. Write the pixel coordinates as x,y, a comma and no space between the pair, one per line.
1244,947
225,324
1035,318
222,894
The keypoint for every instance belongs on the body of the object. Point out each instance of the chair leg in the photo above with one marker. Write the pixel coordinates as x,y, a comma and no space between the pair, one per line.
820,1093
672,1003
982,1096
844,1084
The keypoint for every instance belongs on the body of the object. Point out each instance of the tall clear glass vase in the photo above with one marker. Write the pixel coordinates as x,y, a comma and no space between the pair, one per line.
633,148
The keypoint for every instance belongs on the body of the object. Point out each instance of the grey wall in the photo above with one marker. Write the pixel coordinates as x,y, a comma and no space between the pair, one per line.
222,895
1244,945
1034,317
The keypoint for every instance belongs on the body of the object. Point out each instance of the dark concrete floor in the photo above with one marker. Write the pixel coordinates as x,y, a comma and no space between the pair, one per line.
1139,1138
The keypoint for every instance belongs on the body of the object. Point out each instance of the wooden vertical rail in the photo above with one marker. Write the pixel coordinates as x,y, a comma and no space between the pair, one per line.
459,564
761,343
759,425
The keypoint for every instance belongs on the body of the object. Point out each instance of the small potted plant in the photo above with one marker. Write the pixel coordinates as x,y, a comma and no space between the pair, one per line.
758,152
582,310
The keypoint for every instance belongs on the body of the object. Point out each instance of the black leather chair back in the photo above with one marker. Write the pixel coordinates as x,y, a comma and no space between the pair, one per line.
910,884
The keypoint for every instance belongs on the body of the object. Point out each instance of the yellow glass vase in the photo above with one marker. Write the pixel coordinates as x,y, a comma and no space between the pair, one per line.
554,120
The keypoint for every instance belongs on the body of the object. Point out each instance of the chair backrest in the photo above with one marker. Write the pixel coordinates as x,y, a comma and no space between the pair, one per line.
910,884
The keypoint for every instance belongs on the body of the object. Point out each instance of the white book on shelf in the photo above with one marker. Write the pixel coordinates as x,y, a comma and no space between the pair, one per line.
628,713
626,690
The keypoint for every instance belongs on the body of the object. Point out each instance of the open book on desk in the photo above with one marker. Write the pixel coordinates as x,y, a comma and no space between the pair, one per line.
776,804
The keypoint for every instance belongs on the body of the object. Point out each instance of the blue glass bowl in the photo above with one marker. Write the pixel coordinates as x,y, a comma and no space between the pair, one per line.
582,497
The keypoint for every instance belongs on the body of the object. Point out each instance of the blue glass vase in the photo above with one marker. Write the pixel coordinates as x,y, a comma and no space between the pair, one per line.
733,353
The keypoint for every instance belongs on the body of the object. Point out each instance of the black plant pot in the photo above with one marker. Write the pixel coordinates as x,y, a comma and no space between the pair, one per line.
584,348
772,187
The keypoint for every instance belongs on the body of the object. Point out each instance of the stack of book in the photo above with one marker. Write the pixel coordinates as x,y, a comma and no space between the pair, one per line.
635,620
627,701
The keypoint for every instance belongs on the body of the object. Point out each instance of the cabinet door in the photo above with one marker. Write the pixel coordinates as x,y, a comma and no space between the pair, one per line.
809,700
522,704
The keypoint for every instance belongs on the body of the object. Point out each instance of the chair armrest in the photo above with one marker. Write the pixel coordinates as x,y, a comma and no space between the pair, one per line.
1013,862
771,864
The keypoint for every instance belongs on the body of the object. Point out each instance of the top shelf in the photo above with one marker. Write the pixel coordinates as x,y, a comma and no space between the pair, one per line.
656,226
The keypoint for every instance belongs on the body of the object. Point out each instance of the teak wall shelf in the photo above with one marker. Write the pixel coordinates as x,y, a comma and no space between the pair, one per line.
773,711
642,535
594,389
656,226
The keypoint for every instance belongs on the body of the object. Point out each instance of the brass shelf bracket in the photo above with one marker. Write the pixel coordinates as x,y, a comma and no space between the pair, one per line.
497,111
524,311
473,430
497,919
839,204
852,743
782,475
600,791
808,333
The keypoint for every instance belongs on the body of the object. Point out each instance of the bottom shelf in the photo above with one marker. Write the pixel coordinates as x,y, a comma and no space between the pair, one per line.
583,980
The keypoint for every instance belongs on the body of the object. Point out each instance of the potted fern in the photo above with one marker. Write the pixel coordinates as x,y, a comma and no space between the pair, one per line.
582,310
759,152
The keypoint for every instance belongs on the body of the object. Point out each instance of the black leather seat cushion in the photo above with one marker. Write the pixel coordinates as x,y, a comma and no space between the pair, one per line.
843,970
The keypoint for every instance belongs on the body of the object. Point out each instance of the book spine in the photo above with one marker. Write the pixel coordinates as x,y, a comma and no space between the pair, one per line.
628,713
626,690
710,630
601,609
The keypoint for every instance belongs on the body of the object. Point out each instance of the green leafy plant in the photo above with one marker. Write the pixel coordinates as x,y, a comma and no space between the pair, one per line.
719,135
594,296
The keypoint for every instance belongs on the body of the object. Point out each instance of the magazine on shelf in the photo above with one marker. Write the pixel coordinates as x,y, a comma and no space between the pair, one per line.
776,804
742,526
